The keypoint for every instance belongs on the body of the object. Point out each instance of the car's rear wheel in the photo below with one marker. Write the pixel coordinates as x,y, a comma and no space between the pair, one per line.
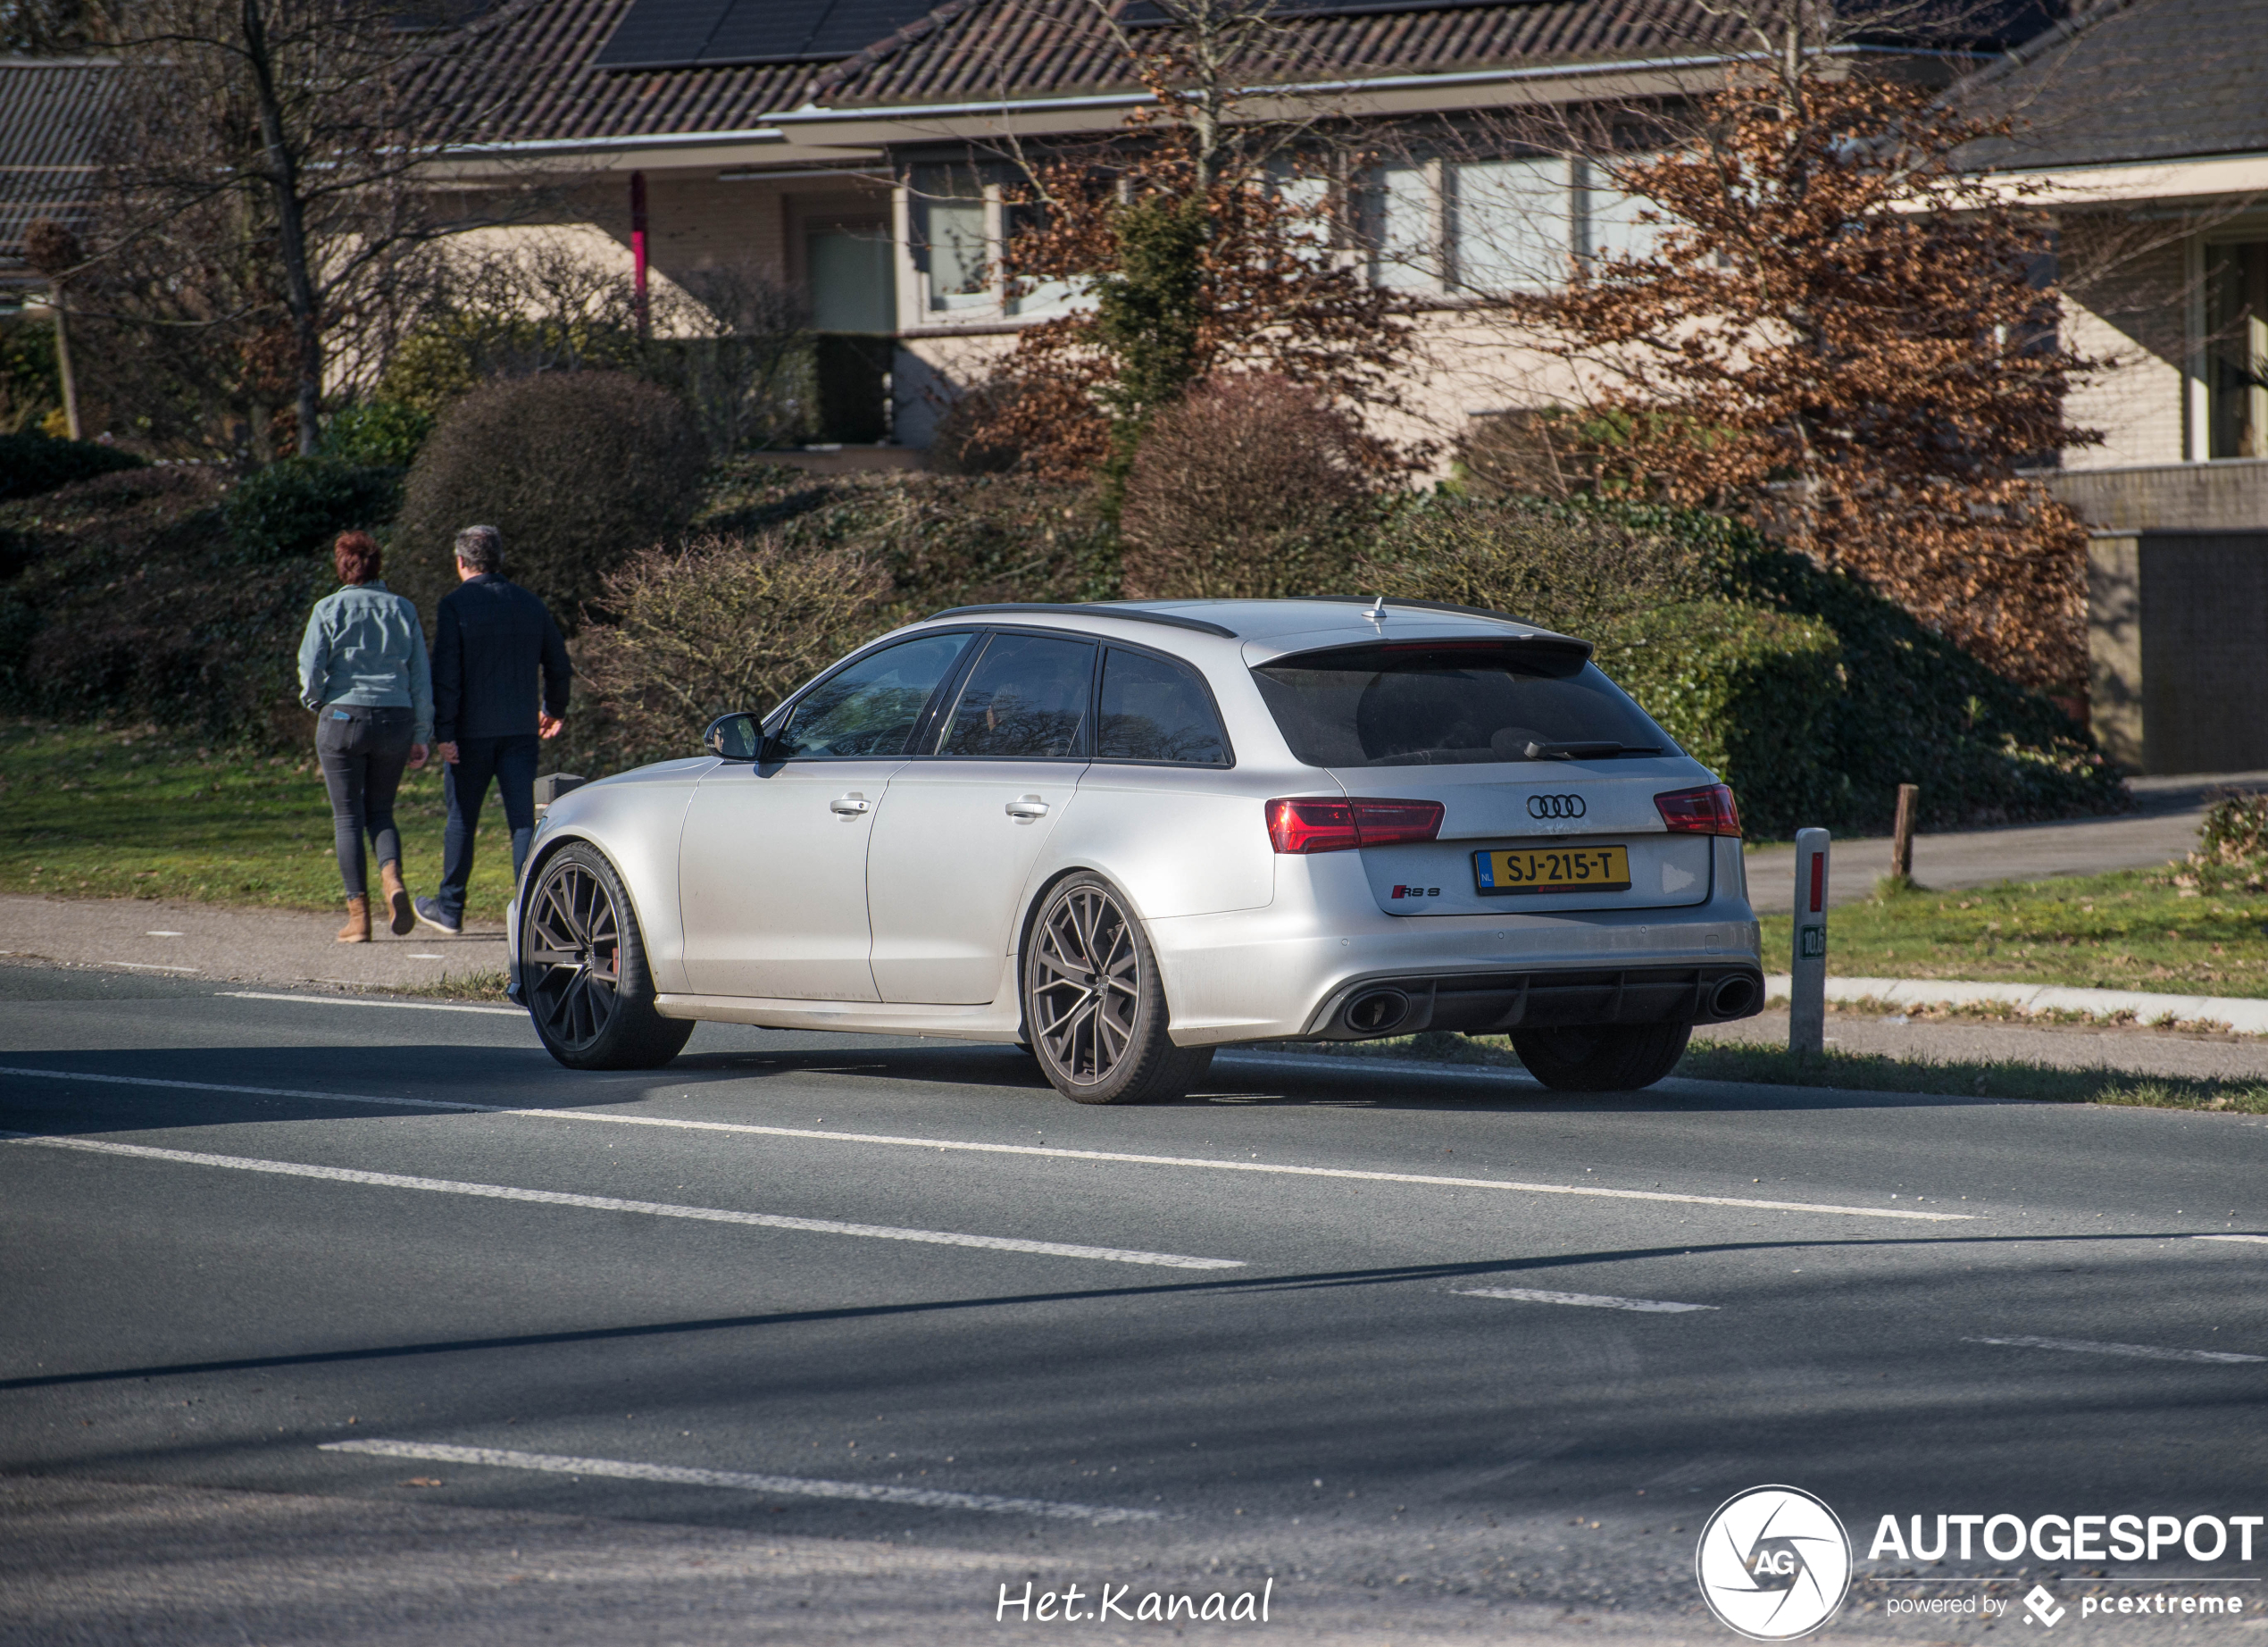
583,972
1093,1006
1607,1057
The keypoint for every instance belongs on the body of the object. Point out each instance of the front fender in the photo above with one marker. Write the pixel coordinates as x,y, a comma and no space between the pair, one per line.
636,819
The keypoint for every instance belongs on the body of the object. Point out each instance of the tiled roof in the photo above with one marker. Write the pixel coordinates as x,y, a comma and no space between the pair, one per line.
2154,79
981,49
528,69
51,116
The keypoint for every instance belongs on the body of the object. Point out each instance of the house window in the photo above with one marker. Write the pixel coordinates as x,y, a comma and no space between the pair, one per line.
1039,299
2237,350
950,221
1608,219
1509,223
1401,228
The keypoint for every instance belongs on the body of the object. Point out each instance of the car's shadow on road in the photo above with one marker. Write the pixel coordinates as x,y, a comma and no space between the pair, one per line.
170,1087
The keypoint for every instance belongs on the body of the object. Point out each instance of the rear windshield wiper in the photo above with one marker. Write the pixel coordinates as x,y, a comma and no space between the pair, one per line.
1586,751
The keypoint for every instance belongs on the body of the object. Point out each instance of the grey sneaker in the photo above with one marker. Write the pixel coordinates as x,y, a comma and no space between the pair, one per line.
429,911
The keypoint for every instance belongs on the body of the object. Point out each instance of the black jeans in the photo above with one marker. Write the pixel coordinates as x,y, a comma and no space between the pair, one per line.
512,763
361,752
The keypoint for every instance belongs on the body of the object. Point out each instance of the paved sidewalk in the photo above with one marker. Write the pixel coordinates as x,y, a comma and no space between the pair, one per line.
2136,1051
246,946
2162,827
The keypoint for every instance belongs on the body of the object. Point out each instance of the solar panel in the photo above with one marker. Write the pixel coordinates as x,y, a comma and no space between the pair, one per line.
677,34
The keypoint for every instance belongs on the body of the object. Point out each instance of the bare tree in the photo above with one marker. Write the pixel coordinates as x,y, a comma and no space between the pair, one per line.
262,180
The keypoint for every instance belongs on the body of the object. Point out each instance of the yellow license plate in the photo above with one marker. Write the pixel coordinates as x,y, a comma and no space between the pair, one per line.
1553,869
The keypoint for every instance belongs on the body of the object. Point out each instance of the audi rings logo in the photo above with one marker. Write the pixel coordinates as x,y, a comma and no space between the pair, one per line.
1554,805
1774,1563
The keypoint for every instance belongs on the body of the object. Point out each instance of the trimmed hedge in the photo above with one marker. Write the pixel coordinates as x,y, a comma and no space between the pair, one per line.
30,465
1814,697
294,507
383,434
579,471
1739,688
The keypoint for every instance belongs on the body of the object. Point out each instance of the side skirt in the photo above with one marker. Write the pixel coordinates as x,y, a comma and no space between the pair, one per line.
996,1021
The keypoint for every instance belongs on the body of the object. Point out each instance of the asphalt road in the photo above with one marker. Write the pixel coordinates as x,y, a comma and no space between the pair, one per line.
812,1338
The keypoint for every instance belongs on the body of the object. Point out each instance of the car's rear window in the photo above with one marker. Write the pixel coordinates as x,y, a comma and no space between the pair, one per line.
1411,705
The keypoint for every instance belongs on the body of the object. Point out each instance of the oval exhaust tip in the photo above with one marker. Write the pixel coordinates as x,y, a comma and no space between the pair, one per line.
1378,1011
1733,998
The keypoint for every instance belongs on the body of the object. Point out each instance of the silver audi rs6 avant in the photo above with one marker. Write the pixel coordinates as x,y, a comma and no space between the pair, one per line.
1123,835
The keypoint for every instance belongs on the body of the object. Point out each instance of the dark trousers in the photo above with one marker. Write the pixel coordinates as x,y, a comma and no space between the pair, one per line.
361,752
512,763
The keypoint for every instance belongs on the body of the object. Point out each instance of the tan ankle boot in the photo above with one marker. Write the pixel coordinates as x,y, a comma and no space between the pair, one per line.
357,929
397,896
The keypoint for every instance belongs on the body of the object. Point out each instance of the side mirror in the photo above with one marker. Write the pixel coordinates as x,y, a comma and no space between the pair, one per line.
734,737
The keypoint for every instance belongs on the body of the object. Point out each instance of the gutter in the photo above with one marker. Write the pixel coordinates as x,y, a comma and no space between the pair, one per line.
813,114
576,146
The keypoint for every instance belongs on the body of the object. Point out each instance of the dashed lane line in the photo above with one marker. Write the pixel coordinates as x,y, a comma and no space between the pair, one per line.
2260,1240
1044,1151
616,1469
608,1203
365,1001
1588,1301
2146,1353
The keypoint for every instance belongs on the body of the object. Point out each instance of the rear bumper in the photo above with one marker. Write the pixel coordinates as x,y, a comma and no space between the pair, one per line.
1490,1003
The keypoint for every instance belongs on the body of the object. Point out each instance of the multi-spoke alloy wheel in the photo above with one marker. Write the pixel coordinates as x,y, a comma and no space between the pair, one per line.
1092,1005
583,969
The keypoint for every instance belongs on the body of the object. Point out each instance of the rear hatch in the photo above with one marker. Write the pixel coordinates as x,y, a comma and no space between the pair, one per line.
1544,770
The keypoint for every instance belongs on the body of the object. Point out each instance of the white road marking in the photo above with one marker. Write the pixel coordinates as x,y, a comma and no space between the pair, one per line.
2148,1352
927,1497
608,1203
161,934
2260,1240
1589,1300
145,966
1044,1151
421,956
365,1001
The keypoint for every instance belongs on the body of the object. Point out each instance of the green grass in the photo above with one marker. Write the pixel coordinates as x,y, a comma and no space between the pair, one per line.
95,812
2135,930
1858,1072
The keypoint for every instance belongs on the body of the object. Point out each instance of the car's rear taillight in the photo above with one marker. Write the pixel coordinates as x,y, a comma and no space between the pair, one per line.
1342,825
1699,812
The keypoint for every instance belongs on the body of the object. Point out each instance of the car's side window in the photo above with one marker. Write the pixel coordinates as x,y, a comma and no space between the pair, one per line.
1156,710
1026,699
867,711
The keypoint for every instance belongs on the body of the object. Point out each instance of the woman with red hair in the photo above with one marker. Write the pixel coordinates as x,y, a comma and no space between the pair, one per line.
362,669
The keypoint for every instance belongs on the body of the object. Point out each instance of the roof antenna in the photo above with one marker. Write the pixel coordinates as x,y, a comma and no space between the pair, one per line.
1377,614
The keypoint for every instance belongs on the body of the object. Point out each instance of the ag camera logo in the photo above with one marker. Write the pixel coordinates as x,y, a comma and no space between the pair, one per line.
1773,1563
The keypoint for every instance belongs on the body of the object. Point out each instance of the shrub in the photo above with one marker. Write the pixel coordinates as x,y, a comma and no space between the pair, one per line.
579,471
944,540
1749,692
384,434
1249,487
30,465
722,624
293,507
133,600
1903,704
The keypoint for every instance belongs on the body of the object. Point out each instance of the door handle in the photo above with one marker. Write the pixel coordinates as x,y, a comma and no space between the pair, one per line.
850,806
1027,806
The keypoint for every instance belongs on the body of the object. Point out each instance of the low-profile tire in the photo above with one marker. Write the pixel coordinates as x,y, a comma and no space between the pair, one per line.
583,971
1605,1058
1093,1005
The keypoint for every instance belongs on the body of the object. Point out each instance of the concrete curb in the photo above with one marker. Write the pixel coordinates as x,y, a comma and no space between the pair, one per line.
2245,1017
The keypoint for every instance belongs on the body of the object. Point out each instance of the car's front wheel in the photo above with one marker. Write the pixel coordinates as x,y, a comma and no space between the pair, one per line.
1093,1006
583,972
1607,1057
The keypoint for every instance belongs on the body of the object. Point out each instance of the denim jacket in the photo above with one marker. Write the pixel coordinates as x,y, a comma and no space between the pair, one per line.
365,645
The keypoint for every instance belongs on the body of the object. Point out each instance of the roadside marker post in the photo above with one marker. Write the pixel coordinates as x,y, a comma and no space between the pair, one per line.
1807,965
1909,799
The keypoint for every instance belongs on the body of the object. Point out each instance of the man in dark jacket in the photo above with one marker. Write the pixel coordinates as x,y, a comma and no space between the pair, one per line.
494,642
